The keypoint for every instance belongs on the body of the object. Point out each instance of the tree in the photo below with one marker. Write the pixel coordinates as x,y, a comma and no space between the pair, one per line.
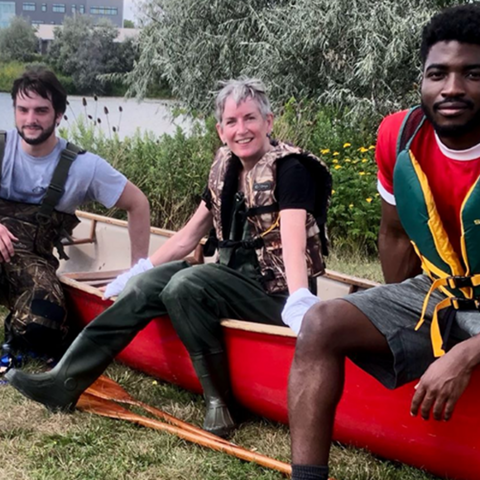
358,57
18,41
86,51
128,24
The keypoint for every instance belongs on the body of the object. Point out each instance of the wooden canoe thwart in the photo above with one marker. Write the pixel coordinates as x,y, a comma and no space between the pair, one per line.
369,415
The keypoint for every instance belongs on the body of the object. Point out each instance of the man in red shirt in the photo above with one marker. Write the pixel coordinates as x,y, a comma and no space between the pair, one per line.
428,183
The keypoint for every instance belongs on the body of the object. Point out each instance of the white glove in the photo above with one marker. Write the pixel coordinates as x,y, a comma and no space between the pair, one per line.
119,283
296,307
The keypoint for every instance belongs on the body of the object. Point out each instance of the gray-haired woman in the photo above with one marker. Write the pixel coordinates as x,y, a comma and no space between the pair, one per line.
263,200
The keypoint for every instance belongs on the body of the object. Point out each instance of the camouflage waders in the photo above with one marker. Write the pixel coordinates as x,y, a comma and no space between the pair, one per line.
29,285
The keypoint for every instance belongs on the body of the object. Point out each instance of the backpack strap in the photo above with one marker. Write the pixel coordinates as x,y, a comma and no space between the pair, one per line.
410,126
3,141
57,184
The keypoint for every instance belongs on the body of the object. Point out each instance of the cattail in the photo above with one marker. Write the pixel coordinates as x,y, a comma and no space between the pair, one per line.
99,121
95,97
120,109
67,103
90,117
65,117
114,129
105,110
84,101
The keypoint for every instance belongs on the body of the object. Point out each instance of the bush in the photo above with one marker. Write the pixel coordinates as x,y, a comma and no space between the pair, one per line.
359,58
12,70
98,55
18,41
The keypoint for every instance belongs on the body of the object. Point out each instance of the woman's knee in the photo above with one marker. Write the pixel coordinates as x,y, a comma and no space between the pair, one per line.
182,285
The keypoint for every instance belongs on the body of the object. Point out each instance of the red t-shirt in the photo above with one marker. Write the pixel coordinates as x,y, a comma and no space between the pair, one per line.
450,173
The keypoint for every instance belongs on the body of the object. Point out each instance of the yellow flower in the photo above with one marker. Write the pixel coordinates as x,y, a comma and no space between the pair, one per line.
154,382
355,162
369,173
371,147
347,160
351,205
335,154
377,194
333,192
337,167
361,173
324,151
369,199
364,160
346,145
334,160
363,149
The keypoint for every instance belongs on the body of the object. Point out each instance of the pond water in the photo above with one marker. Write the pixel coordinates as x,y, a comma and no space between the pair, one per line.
149,115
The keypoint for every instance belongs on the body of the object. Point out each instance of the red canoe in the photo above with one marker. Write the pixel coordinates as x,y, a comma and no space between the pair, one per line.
369,415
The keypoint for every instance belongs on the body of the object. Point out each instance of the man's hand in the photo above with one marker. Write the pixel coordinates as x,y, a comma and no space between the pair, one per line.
441,386
6,246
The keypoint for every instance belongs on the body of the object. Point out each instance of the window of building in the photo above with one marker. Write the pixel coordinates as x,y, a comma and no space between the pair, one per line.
74,8
58,8
44,7
29,6
37,22
103,11
7,12
81,8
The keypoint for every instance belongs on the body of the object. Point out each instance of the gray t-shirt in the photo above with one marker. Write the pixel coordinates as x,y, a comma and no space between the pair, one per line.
26,178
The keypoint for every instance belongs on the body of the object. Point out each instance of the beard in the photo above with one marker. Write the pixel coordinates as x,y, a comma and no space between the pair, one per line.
452,131
44,134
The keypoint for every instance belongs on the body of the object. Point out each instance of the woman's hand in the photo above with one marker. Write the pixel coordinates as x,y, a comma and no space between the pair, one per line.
119,283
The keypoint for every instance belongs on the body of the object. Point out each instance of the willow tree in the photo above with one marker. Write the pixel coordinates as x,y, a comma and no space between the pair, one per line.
358,56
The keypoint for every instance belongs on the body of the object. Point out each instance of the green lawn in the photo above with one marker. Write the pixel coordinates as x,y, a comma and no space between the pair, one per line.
38,445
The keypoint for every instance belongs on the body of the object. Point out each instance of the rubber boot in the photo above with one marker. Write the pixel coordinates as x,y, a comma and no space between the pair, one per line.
212,372
60,388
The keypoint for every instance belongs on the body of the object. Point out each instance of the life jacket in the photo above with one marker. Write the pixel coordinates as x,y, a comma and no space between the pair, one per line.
262,228
41,228
458,278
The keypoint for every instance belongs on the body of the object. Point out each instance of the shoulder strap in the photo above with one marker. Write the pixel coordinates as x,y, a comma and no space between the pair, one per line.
410,126
3,141
57,184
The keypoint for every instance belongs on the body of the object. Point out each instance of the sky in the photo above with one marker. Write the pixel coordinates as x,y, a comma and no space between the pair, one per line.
130,8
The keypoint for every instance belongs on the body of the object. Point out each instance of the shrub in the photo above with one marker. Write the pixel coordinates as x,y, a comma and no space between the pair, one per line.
18,41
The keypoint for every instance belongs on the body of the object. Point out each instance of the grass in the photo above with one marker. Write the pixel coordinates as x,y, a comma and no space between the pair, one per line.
38,445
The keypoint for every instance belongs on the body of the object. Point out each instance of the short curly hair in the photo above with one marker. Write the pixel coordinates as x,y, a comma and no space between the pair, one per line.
460,23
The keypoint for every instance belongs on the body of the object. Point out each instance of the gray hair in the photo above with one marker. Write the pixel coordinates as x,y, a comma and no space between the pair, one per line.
240,90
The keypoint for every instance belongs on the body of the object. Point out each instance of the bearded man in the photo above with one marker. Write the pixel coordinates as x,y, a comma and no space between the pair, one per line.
44,180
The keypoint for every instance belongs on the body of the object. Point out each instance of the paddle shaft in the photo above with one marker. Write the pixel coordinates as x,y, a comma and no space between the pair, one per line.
108,408
108,389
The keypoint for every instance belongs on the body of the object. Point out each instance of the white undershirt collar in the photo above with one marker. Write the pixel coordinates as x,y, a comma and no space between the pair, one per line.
472,153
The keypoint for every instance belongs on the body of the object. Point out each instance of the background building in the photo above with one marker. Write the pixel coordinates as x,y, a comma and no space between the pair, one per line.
52,12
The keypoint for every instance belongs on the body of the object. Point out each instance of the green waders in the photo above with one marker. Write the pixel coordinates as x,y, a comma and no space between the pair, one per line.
196,298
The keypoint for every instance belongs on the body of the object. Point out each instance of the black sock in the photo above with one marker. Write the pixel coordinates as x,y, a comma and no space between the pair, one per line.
309,472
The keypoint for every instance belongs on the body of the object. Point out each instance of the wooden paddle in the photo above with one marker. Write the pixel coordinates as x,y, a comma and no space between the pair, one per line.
108,389
107,408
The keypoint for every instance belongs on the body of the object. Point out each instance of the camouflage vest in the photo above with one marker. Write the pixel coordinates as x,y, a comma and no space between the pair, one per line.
263,211
40,228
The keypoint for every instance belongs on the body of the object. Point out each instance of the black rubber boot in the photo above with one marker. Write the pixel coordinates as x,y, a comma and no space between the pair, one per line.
60,388
212,372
